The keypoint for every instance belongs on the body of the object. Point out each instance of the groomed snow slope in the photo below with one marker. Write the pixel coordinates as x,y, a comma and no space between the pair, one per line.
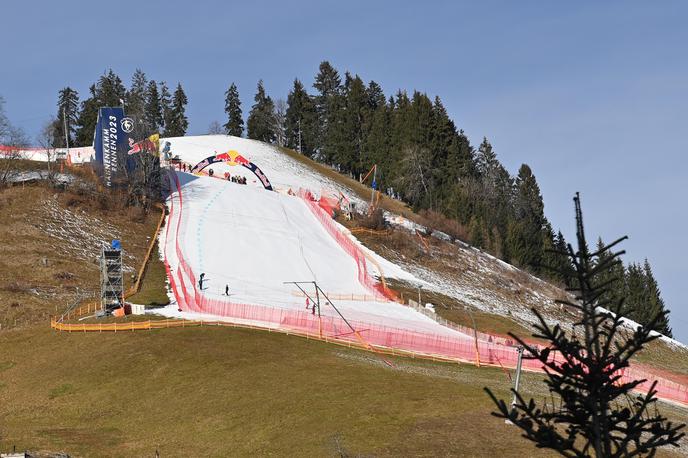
284,173
255,240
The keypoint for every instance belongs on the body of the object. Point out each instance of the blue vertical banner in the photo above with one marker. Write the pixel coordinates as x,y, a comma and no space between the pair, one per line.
111,141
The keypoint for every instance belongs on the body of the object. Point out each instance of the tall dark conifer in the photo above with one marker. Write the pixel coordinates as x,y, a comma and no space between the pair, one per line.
107,92
165,104
328,102
347,135
301,121
153,113
526,235
644,301
377,143
110,90
67,113
88,117
177,123
135,102
235,122
260,124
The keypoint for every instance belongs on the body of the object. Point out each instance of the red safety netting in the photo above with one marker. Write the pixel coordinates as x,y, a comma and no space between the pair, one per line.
328,203
349,246
491,350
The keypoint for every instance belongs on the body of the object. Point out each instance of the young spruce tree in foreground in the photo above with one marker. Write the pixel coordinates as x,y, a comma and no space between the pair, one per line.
593,411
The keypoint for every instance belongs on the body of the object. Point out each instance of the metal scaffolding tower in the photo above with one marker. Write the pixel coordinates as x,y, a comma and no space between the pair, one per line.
111,278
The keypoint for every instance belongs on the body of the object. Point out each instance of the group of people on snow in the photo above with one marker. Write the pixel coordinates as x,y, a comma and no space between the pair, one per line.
236,179
201,281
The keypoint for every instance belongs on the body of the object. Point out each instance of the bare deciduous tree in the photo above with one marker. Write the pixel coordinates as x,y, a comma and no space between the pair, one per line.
416,173
46,139
215,128
279,120
12,140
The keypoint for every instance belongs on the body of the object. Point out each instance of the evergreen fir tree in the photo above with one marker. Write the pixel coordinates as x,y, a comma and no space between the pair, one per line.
526,237
110,90
375,96
475,232
486,160
177,123
107,92
260,124
348,140
153,113
495,191
655,304
616,289
67,110
88,117
592,409
135,102
235,122
561,267
644,301
301,121
377,142
165,105
327,103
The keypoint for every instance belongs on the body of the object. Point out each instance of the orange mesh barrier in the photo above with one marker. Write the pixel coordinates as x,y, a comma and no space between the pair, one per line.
493,350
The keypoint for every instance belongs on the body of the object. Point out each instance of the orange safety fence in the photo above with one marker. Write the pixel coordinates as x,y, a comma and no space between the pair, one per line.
93,307
365,230
376,337
424,242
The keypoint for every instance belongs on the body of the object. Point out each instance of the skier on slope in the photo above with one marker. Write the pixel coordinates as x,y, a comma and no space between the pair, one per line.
226,290
200,281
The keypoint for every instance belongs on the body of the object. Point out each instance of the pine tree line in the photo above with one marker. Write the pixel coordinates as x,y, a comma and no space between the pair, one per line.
421,157
428,162
643,300
148,102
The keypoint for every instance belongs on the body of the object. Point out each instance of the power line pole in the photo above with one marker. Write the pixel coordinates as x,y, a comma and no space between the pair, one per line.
300,152
372,197
517,382
66,132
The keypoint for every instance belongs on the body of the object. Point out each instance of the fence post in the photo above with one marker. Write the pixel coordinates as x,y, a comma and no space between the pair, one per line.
518,376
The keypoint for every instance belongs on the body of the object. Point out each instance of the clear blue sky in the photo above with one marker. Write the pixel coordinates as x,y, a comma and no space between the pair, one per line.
592,95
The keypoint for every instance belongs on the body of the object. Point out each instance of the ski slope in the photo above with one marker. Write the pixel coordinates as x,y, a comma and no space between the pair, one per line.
284,172
256,241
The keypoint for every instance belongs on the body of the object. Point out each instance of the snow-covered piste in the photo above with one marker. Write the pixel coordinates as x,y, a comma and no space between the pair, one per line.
253,242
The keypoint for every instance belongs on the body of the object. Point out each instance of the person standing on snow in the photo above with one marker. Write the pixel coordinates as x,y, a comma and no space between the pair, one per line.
200,281
226,290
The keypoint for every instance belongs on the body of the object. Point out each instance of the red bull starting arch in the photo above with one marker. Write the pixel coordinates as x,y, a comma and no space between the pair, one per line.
234,158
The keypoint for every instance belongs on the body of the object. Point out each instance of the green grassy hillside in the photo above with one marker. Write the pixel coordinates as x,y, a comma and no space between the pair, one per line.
221,392
218,391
